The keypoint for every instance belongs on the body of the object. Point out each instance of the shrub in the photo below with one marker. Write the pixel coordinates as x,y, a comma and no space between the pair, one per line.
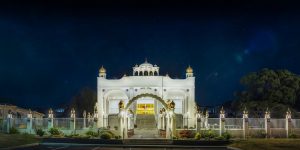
209,134
13,130
220,138
174,137
197,136
262,134
106,135
39,132
185,134
293,136
118,137
116,127
54,131
226,135
73,135
92,133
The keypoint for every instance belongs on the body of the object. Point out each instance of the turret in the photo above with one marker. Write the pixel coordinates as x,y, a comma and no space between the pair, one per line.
102,72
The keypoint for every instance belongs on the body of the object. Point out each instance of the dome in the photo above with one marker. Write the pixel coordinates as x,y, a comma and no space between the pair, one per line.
189,69
102,70
146,64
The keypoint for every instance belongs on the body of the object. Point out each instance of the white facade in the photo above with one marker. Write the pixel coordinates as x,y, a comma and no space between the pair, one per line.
146,79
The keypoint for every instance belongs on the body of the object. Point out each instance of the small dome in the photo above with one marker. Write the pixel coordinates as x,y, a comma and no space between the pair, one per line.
102,70
189,69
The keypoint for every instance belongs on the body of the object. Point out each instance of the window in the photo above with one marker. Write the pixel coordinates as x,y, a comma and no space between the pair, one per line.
113,106
178,106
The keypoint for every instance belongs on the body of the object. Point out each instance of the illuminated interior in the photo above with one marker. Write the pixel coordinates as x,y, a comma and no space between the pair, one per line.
145,109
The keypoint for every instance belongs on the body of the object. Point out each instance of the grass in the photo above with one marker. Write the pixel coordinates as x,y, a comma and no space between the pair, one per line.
267,144
9,140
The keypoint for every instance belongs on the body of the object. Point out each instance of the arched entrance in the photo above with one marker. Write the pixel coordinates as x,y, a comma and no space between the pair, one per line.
165,120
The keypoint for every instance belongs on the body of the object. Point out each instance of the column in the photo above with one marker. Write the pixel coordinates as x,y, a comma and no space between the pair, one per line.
72,121
29,122
288,122
222,121
50,118
245,124
163,121
267,123
159,121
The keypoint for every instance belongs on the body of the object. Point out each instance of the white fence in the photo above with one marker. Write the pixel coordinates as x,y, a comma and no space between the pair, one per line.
238,127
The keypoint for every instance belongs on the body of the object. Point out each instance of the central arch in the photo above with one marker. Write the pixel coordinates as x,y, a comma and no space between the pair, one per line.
146,95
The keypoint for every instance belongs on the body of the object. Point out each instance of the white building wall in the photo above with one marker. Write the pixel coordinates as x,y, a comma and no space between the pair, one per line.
129,86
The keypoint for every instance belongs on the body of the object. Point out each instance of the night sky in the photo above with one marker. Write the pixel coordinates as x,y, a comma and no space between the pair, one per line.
49,51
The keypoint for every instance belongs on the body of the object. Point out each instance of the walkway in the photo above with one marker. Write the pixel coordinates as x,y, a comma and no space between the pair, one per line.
149,133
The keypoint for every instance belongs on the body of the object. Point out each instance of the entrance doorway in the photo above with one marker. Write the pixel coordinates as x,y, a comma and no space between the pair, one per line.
145,109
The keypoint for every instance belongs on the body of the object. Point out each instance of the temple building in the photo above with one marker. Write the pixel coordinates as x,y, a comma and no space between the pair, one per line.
144,96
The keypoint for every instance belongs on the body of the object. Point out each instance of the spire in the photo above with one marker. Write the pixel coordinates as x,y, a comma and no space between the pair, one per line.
146,60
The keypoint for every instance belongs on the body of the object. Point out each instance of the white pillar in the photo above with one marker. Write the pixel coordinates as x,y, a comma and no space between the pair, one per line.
206,119
267,123
288,121
29,122
50,118
73,120
9,121
84,119
222,121
245,124
159,121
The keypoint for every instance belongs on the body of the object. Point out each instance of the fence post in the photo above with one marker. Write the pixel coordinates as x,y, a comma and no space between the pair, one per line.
288,120
29,122
198,117
84,119
9,121
267,123
50,118
245,124
222,121
206,119
73,120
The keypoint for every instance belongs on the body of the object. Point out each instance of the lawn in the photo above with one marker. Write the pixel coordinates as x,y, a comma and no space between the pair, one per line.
267,144
8,140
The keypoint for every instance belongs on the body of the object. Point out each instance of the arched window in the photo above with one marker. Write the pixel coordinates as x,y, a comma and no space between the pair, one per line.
136,73
141,73
155,73
151,73
146,73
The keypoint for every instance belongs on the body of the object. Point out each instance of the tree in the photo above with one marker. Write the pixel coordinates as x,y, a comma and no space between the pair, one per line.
278,90
84,100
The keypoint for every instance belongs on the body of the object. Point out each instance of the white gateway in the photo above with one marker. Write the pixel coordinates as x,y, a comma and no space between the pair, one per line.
145,94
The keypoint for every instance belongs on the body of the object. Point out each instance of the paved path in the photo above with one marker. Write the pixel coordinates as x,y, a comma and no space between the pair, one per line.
145,133
82,147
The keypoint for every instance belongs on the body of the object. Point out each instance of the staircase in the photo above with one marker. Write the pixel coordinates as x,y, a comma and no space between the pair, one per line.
145,121
147,142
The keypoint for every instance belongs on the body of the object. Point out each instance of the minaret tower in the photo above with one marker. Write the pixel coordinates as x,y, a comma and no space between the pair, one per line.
189,72
102,72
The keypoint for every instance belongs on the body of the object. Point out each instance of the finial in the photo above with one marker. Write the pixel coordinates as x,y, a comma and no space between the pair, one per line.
146,60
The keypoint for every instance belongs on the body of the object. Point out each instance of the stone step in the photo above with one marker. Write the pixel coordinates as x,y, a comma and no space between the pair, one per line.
147,142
